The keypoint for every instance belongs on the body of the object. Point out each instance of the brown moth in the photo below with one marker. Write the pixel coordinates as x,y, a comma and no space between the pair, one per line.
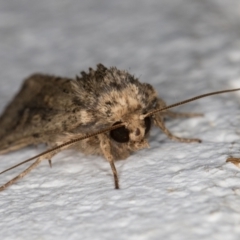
105,112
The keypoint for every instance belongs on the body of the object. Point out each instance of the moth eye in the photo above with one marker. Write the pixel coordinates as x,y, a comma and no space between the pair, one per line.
147,121
120,135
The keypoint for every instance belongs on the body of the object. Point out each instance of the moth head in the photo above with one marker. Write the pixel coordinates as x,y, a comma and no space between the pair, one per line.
134,132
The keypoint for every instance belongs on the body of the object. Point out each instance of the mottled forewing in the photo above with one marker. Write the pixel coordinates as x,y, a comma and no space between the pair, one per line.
43,107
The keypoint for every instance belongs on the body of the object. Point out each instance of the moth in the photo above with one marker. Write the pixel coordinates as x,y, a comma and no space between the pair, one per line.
106,112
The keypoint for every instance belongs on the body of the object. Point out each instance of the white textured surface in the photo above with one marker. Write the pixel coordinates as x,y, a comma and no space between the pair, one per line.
170,191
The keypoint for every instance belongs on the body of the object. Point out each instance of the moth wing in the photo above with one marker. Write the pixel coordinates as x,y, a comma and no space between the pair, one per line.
43,107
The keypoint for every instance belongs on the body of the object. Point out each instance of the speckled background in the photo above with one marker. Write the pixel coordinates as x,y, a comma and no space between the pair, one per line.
170,191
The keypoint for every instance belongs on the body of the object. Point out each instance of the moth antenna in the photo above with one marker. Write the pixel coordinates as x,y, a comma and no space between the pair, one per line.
21,175
190,100
64,145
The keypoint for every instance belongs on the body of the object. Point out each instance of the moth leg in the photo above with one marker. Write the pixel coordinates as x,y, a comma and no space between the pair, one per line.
51,154
182,114
21,175
30,168
50,163
106,149
158,120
